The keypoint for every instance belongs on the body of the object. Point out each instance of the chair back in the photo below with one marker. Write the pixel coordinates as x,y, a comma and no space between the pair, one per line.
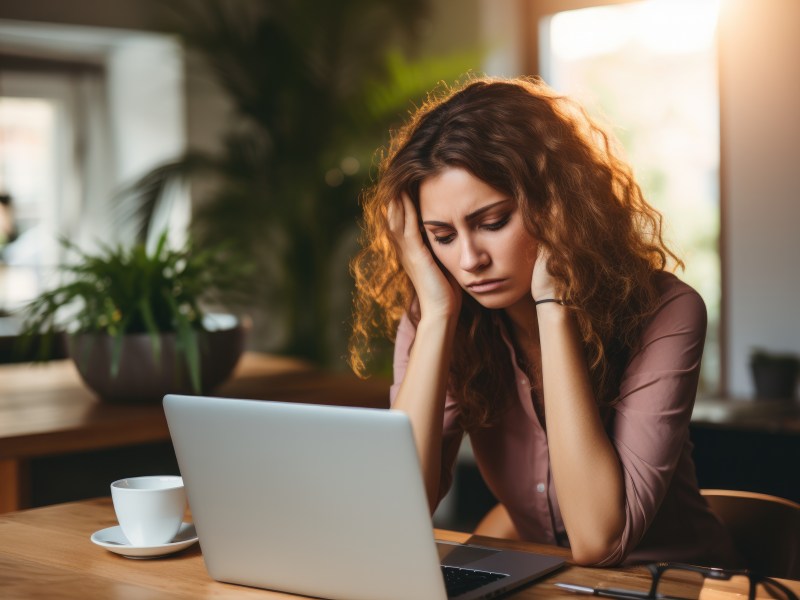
765,529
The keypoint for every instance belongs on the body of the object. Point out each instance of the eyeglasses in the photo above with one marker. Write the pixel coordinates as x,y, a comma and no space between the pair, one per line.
677,581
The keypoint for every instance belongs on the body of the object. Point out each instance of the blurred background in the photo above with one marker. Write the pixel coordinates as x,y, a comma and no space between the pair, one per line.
257,122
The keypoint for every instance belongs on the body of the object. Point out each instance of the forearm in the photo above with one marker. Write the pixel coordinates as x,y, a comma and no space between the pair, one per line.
422,396
586,470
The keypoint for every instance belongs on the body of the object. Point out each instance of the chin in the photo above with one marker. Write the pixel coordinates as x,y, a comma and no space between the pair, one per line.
495,301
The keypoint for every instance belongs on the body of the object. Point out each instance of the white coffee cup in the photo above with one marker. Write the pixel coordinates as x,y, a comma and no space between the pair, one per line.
149,509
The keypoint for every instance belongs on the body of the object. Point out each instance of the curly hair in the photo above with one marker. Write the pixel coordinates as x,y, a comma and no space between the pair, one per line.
577,198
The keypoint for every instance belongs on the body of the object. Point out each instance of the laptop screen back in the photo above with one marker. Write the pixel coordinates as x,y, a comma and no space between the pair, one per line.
313,500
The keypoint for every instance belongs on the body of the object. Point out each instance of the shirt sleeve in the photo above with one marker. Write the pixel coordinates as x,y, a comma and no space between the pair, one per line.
452,433
651,421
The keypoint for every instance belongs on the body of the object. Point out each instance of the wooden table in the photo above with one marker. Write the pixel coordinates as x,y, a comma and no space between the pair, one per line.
46,410
46,553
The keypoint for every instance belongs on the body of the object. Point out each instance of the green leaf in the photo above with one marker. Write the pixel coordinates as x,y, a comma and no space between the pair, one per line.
187,341
152,329
116,352
119,291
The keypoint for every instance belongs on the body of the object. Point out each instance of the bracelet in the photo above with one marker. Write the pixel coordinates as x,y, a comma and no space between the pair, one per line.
538,302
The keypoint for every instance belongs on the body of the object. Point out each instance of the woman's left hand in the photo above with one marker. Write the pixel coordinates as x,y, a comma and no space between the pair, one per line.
542,283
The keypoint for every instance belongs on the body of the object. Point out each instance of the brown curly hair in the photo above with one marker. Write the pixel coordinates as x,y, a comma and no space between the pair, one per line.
576,197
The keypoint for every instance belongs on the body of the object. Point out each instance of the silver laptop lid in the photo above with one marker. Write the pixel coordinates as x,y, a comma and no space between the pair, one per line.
307,499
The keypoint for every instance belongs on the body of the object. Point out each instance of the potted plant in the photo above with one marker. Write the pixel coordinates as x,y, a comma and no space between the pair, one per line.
774,375
313,87
135,320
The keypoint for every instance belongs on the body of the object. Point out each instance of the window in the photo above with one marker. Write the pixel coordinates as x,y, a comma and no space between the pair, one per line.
35,181
649,69
84,113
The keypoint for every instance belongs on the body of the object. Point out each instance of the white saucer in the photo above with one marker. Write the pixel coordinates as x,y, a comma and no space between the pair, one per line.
114,540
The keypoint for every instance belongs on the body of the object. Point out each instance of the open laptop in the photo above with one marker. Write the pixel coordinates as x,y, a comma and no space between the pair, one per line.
323,501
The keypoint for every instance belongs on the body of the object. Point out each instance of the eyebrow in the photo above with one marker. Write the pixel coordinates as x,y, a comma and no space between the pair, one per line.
471,217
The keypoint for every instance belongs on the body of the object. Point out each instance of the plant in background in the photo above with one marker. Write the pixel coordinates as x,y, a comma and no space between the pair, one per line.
315,87
128,291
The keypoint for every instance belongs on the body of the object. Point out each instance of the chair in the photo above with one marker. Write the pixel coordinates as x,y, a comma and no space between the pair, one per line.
765,529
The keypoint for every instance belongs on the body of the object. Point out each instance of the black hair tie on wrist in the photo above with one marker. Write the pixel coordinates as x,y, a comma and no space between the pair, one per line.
538,302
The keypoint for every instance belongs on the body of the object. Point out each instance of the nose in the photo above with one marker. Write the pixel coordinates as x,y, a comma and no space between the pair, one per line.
473,257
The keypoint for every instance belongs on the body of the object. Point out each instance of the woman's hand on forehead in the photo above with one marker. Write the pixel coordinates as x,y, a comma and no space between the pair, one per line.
438,293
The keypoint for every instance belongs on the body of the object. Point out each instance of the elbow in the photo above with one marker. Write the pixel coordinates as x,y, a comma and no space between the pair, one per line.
590,556
597,550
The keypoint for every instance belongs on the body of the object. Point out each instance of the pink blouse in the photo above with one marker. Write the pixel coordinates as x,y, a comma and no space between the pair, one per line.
666,518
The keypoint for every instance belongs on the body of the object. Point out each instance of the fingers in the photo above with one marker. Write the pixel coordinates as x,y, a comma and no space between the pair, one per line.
437,291
404,229
401,216
395,217
410,214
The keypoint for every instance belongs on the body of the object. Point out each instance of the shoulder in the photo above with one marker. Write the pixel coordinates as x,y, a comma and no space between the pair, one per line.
679,308
669,351
673,337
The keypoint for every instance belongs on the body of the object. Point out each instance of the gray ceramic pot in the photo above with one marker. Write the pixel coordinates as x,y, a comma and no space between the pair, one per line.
142,379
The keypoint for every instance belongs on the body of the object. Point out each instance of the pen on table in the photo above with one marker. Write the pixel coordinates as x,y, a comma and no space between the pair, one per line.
604,592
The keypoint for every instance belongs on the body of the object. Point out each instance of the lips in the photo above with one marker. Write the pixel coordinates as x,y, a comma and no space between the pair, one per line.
486,285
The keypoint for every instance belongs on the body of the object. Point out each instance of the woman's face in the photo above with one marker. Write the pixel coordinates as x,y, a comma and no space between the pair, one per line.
477,234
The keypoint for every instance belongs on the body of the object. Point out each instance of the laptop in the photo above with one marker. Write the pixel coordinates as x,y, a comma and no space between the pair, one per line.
323,501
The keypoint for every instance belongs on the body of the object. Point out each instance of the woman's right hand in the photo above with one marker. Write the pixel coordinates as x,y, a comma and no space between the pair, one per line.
438,292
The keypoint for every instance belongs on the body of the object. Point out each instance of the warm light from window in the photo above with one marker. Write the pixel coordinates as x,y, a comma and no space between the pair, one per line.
660,26
649,69
27,152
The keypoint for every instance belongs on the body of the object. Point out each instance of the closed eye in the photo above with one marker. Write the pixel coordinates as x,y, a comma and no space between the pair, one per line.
495,225
444,239
492,226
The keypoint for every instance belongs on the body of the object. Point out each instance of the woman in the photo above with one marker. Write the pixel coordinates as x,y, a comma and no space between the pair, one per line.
526,278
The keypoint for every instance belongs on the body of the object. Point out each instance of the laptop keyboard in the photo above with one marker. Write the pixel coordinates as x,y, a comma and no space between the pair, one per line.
460,581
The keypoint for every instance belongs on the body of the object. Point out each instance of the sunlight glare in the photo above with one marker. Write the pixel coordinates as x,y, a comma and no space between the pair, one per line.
662,26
